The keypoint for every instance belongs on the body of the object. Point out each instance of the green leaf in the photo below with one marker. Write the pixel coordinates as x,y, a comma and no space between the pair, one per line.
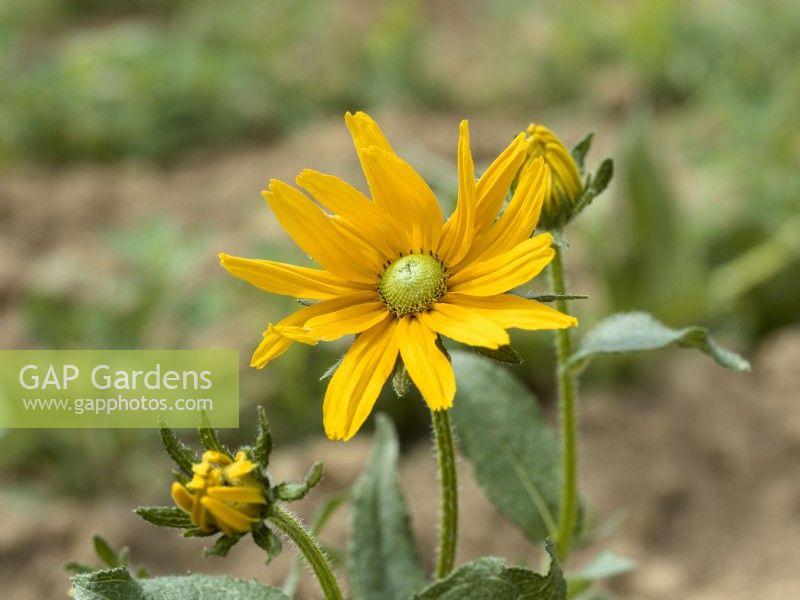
639,331
105,552
489,579
165,516
196,532
265,539
554,297
513,451
75,567
263,446
602,177
181,454
289,491
119,584
504,354
581,149
223,545
381,555
401,381
331,370
209,437
606,564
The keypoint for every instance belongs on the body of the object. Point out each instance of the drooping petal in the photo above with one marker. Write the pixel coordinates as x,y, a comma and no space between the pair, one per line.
182,498
426,364
492,187
355,212
457,232
510,311
505,271
315,233
239,493
284,279
355,385
229,519
464,325
520,216
278,338
399,190
347,321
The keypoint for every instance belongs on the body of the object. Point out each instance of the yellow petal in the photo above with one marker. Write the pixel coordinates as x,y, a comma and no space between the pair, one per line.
520,217
240,494
458,231
464,325
316,234
355,386
278,338
220,458
493,186
514,312
426,364
504,271
288,280
239,469
182,498
357,214
347,321
229,519
297,334
400,191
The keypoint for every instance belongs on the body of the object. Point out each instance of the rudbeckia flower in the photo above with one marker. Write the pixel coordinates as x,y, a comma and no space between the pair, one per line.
398,276
220,495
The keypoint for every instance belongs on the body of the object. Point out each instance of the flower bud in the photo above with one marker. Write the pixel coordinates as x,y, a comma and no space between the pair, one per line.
564,186
222,494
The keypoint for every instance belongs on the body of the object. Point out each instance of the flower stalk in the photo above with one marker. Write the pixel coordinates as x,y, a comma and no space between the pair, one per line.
568,507
448,485
309,547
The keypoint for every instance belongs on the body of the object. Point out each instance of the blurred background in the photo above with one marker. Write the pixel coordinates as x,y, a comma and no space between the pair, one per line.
134,141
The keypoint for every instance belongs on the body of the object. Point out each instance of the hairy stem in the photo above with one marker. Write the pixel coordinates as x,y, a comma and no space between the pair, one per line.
448,527
568,507
309,547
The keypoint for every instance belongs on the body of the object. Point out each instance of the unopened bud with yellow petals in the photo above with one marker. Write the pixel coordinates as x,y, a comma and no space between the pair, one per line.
565,187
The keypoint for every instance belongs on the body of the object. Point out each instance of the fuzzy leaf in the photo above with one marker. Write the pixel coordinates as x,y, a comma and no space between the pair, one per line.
504,354
209,437
581,149
401,381
75,567
165,516
181,454
265,539
381,555
513,451
263,446
489,579
119,584
602,177
289,491
222,546
105,552
639,331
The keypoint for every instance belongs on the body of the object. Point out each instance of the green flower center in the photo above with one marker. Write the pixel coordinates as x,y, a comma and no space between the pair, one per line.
413,283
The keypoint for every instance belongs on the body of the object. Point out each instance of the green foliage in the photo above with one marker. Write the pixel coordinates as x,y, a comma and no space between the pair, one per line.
223,545
266,539
118,584
489,579
504,354
289,491
382,558
165,516
179,452
513,451
639,331
607,564
263,446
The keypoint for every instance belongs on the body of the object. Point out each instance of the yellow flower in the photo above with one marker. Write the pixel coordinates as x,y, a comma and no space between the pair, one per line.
397,276
220,494
564,176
